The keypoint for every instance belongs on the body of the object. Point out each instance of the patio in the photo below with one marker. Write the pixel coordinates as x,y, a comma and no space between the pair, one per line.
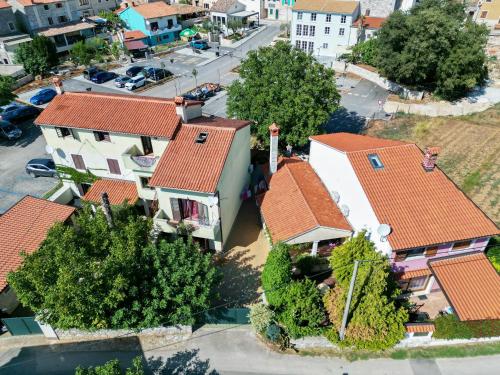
432,304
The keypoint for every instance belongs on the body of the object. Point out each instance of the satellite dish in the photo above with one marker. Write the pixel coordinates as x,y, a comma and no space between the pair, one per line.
336,196
345,210
384,230
49,149
61,153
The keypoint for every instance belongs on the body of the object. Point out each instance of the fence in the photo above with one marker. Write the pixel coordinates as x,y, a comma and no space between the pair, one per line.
22,326
228,316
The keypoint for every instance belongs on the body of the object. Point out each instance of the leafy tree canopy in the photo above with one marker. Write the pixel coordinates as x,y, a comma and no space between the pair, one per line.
277,274
6,88
287,86
37,56
113,368
89,276
111,17
84,51
434,46
375,318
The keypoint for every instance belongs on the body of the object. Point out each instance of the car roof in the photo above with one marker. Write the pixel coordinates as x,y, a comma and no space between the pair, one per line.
45,90
41,161
4,123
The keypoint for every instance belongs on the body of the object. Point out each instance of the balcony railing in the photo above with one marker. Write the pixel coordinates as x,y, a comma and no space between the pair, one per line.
167,29
167,225
134,160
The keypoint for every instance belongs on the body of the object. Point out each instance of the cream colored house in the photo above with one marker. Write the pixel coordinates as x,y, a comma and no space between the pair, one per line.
162,153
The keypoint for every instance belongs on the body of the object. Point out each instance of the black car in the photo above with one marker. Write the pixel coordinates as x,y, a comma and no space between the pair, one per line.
17,112
102,77
156,73
91,72
41,167
134,70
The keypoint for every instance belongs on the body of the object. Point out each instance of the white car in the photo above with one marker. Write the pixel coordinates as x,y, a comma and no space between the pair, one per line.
135,82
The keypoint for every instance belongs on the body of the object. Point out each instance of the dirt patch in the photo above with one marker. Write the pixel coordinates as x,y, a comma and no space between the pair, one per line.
368,67
470,150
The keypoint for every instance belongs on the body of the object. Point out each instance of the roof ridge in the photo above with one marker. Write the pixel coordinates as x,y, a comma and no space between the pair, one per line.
383,147
121,96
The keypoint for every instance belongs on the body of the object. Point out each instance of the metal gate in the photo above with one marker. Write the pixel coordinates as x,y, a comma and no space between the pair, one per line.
22,326
228,316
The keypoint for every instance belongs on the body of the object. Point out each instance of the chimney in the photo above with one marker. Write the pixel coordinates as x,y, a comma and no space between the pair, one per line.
274,132
185,111
430,157
57,81
180,108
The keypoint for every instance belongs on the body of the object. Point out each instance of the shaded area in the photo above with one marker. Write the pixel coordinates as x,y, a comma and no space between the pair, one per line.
344,121
185,362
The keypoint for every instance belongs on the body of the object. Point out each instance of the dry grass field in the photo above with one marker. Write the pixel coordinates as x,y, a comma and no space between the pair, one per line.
470,150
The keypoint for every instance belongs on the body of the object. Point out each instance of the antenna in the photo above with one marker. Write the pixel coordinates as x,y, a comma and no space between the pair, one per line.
384,230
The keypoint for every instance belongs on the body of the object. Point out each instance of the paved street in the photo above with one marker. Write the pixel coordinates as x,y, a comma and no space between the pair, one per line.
225,351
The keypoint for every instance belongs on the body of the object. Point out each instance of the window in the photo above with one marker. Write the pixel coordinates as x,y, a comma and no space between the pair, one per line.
11,26
306,30
343,19
418,283
431,251
304,45
311,47
327,30
297,44
201,137
147,146
313,16
400,256
325,45
484,14
461,245
102,136
299,15
50,21
46,7
78,162
62,19
114,167
413,253
153,26
84,2
205,6
298,30
341,31
312,30
187,209
58,5
367,12
375,160
170,23
63,132
145,182
328,18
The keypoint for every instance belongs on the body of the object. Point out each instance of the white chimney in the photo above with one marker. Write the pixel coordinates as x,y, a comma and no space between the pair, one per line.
185,110
430,158
58,84
274,132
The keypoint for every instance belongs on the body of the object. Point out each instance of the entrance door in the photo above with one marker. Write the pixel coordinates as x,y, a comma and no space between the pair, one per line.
22,326
277,12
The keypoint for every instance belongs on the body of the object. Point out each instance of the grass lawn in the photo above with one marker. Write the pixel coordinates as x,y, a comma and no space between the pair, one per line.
470,150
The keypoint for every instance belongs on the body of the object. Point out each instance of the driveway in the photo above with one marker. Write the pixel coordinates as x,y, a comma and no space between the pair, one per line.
14,182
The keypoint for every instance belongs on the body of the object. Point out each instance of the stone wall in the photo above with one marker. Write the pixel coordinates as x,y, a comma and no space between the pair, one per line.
378,8
173,331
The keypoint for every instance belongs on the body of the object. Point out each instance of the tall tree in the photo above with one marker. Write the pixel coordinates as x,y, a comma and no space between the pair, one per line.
376,318
285,85
37,56
6,88
277,274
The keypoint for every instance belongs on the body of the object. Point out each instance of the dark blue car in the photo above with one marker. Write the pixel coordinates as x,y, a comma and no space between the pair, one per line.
16,112
43,96
102,77
199,44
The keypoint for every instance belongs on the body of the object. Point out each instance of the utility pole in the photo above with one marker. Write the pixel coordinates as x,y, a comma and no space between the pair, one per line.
348,302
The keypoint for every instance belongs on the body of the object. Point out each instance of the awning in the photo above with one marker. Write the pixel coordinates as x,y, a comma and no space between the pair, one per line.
188,33
118,191
53,31
471,284
135,44
243,14
406,275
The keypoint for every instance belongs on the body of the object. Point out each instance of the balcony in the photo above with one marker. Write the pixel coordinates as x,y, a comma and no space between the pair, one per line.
164,30
134,159
211,232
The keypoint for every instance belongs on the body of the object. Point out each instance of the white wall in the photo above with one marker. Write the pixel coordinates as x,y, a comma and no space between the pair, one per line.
336,172
319,234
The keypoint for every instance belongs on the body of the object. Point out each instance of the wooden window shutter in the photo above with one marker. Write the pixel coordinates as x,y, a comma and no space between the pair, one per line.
106,137
176,211
431,251
114,167
78,162
400,256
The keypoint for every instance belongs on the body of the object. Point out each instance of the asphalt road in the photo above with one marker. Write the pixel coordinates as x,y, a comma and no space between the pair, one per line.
225,351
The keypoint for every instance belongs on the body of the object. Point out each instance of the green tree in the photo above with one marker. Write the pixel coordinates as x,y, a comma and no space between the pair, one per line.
6,88
115,49
434,46
235,25
284,85
261,316
365,52
37,56
113,368
376,320
277,274
81,53
89,276
111,17
303,311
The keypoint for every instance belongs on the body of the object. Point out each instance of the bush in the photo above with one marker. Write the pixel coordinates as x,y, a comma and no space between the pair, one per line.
261,317
305,263
303,311
365,52
493,253
277,274
273,332
449,327
113,368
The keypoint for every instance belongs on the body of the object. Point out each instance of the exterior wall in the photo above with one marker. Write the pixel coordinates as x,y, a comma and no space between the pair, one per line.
336,172
407,5
331,44
8,300
8,21
492,15
205,4
234,178
378,8
254,6
319,234
36,16
8,46
279,10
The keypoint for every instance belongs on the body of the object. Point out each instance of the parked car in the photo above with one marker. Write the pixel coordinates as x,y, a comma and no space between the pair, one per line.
121,81
16,112
41,168
134,70
102,77
156,73
43,96
135,82
199,44
90,72
9,131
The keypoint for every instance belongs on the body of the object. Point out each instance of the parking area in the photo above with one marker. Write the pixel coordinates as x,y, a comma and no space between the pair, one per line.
14,182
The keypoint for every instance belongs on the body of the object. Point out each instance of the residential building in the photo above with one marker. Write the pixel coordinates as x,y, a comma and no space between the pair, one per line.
367,27
9,44
157,21
23,228
324,27
205,4
488,12
382,8
397,195
279,10
183,168
8,24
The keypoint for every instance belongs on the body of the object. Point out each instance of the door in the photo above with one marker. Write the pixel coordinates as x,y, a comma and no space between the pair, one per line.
276,13
147,146
22,326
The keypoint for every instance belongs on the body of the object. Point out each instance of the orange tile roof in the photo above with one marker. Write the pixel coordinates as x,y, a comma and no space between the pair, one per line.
28,3
326,6
4,4
134,34
23,227
370,22
118,191
406,275
155,10
419,327
298,202
471,285
348,142
187,165
132,114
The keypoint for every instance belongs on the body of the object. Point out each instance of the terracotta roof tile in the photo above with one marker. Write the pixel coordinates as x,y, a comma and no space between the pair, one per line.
348,142
134,34
28,3
23,227
326,6
67,28
4,4
117,113
471,285
370,22
297,202
419,327
118,191
406,275
188,165
187,9
223,6
155,10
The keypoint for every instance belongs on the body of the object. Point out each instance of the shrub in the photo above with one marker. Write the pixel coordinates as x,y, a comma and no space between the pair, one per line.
273,332
277,274
494,252
303,311
449,327
112,368
261,317
306,263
